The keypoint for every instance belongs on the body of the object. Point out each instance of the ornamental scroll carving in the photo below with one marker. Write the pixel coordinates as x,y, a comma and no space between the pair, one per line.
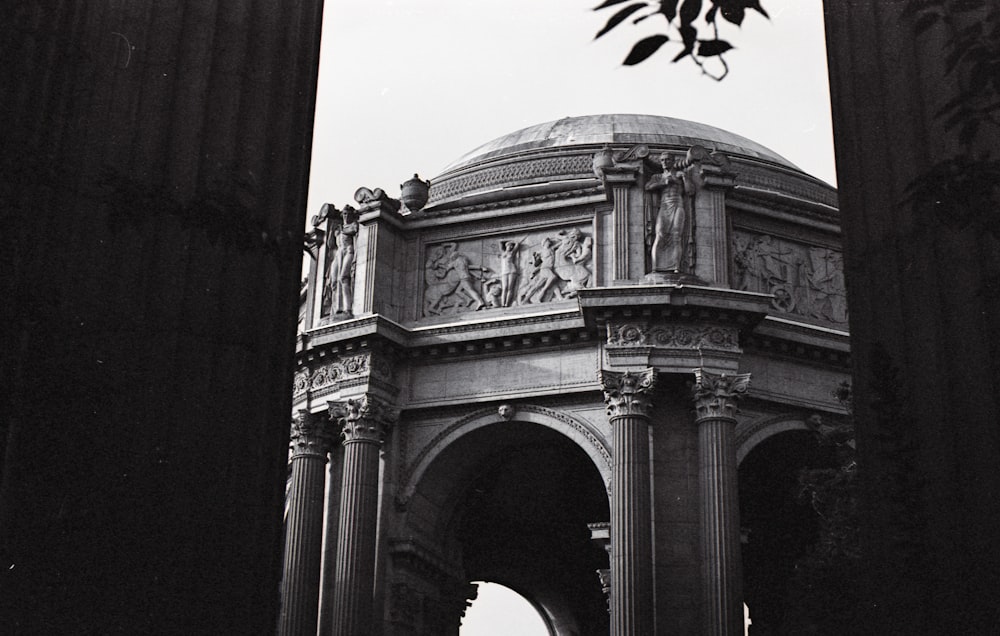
628,393
311,435
340,369
533,268
638,334
715,394
806,281
366,419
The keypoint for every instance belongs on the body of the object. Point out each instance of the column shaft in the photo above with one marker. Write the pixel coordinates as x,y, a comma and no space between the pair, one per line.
354,577
720,518
303,541
722,572
631,530
627,396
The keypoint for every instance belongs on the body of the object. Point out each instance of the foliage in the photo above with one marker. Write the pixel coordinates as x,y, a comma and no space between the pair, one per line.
686,20
824,592
962,190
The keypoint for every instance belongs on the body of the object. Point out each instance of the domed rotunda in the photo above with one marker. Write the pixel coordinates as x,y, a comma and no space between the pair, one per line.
586,362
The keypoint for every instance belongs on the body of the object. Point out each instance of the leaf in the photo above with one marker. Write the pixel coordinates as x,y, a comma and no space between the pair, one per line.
710,15
669,9
708,48
644,48
755,5
690,11
620,17
733,14
608,3
690,36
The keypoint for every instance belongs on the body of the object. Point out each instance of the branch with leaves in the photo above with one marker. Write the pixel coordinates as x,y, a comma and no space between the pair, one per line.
685,21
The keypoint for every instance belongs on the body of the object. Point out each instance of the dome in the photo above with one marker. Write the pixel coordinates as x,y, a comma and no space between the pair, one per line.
562,151
589,130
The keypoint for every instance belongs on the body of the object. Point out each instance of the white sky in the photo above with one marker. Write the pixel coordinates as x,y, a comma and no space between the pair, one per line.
410,85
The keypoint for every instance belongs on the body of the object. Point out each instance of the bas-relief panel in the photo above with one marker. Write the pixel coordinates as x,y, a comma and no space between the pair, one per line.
536,267
806,281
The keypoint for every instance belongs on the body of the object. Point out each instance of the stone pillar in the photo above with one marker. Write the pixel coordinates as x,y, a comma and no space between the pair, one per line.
916,132
155,161
365,422
310,445
722,581
628,400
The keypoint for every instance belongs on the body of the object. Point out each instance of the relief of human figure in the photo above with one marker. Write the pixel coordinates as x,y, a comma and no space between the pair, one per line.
460,264
572,253
346,235
673,236
508,272
331,275
447,274
543,277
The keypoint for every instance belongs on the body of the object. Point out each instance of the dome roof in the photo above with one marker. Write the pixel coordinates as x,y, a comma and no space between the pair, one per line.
589,130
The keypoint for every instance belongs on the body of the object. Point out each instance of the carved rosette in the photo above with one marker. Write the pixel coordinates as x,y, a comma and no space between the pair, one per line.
673,336
366,419
715,394
311,435
628,393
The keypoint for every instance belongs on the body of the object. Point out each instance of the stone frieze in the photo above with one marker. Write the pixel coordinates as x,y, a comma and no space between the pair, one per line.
806,281
535,267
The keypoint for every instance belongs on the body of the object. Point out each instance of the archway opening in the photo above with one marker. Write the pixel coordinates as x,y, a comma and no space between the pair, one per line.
500,611
778,525
510,503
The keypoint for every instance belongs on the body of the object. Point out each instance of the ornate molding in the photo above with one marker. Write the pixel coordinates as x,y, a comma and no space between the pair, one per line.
715,394
642,334
366,419
408,470
311,435
340,369
518,171
627,393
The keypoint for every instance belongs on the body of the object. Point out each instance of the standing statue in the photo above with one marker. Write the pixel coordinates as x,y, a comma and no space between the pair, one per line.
672,250
346,235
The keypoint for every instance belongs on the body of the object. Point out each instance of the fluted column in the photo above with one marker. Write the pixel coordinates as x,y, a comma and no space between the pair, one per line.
722,581
310,445
364,422
627,396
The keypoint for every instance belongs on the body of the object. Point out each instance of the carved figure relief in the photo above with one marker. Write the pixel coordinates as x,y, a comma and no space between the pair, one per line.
806,281
487,274
339,265
672,248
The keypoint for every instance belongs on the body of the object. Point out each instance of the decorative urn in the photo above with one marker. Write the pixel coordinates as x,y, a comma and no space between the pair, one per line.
415,193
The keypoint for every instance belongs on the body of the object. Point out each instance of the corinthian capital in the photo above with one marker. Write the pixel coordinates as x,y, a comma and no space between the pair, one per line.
628,393
715,394
311,435
366,419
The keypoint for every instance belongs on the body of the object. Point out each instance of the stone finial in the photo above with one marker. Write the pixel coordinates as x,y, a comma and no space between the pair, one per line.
366,419
715,394
628,393
311,435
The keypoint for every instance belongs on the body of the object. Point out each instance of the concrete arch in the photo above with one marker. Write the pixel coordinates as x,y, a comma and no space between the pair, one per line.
582,433
749,435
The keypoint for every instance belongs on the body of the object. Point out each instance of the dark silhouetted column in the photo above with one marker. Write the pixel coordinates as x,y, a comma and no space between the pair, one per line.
155,158
627,396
